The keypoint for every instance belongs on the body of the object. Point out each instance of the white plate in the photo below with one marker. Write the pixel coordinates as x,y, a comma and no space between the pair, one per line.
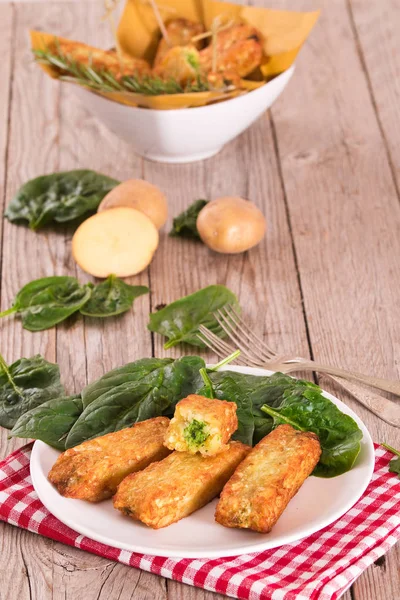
318,503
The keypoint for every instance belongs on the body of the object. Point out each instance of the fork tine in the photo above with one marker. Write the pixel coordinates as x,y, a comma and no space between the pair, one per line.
231,333
211,346
216,341
234,336
249,333
220,347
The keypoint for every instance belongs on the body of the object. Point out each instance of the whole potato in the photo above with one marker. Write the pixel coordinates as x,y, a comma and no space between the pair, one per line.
141,195
231,225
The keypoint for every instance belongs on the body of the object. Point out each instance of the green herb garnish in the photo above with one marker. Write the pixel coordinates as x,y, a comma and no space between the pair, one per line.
102,80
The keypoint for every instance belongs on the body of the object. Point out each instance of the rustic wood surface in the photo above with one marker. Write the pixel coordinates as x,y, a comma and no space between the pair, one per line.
324,166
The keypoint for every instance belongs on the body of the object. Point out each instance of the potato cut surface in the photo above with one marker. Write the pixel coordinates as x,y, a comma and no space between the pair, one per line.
201,425
119,241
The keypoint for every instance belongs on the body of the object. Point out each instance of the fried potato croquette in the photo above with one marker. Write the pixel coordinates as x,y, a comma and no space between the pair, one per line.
93,470
174,488
201,425
181,63
107,60
180,33
264,483
238,51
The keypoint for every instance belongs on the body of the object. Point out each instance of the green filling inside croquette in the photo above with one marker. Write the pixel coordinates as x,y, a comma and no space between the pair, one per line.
196,433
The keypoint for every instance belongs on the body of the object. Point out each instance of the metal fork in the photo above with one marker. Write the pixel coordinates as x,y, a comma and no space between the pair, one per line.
256,353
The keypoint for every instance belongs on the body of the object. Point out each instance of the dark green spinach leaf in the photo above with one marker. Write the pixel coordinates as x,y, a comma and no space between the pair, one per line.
112,297
59,197
50,422
394,465
184,225
129,373
25,384
131,401
249,392
43,303
180,320
308,410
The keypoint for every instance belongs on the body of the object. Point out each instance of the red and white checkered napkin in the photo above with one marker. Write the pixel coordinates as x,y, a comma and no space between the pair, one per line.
321,566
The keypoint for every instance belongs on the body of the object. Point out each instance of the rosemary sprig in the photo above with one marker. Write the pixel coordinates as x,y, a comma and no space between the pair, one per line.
102,80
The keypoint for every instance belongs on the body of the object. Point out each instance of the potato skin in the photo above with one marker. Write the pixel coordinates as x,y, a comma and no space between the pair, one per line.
219,415
231,225
139,194
175,487
93,470
264,483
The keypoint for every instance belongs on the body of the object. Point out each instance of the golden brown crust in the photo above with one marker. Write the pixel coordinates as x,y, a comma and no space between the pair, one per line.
219,417
174,488
238,51
107,60
93,470
180,33
264,483
178,63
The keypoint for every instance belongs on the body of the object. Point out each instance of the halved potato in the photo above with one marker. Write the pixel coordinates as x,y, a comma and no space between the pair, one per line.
121,241
139,194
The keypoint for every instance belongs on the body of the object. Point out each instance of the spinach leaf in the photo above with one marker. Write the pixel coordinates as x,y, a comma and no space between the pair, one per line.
112,297
180,320
128,402
134,371
308,410
249,392
25,384
59,197
43,303
394,465
50,422
184,225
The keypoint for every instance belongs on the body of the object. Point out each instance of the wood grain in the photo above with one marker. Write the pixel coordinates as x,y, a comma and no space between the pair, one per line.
345,220
375,26
327,271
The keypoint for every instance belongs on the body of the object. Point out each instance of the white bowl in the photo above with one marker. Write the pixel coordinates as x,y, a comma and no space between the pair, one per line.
185,134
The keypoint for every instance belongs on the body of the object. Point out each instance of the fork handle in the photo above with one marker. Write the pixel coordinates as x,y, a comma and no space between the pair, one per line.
385,409
385,385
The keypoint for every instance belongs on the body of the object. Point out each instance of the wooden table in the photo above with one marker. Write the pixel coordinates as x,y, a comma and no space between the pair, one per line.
324,166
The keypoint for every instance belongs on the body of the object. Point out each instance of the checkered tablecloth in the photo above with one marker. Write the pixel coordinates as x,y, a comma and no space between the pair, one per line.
319,567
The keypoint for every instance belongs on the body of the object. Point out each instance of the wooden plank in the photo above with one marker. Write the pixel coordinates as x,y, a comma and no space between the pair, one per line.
26,568
6,47
27,255
265,278
375,27
88,351
181,591
333,160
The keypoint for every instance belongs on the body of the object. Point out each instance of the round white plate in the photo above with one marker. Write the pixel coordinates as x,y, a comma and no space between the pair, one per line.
318,503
